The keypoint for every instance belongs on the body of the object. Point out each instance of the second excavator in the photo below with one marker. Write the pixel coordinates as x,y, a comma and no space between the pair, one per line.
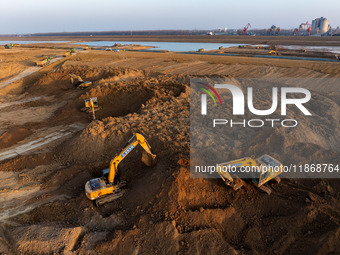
109,187
261,170
78,81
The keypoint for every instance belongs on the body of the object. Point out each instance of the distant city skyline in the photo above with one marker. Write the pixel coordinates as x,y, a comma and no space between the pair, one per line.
41,16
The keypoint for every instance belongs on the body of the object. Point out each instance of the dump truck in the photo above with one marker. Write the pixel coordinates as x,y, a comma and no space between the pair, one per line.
108,188
260,170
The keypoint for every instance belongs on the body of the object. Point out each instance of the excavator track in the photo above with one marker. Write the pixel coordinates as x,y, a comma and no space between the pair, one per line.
265,189
112,197
109,198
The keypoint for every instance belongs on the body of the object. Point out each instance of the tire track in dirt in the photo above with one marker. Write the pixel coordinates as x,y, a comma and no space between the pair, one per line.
37,142
26,73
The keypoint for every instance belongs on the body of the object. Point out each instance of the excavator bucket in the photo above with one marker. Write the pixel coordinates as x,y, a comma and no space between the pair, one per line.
148,159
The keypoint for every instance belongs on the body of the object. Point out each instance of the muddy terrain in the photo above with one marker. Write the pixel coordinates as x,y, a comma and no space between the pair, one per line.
49,149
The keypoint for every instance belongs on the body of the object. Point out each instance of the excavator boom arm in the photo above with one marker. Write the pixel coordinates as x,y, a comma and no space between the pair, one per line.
130,145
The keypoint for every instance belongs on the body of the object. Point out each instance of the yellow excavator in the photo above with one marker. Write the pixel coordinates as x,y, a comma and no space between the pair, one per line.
260,170
78,81
91,105
273,52
108,187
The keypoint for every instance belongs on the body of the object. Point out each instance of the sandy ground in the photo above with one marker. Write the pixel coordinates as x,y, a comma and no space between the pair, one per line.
49,149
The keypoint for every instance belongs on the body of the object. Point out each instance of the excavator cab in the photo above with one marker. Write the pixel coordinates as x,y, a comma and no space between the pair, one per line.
270,169
95,183
88,103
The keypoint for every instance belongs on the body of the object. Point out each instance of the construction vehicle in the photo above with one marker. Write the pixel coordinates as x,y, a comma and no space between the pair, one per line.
43,61
9,45
259,170
91,105
108,187
78,81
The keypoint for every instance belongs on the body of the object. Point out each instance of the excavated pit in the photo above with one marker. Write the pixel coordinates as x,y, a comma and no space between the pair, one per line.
119,101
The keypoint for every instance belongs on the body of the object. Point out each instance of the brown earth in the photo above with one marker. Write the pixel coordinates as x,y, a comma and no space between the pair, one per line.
43,206
23,59
13,136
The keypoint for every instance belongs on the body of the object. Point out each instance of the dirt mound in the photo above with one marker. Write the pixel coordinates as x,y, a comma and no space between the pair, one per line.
59,80
162,238
51,83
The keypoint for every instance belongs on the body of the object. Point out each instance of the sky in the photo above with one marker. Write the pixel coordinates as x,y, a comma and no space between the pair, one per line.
38,16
